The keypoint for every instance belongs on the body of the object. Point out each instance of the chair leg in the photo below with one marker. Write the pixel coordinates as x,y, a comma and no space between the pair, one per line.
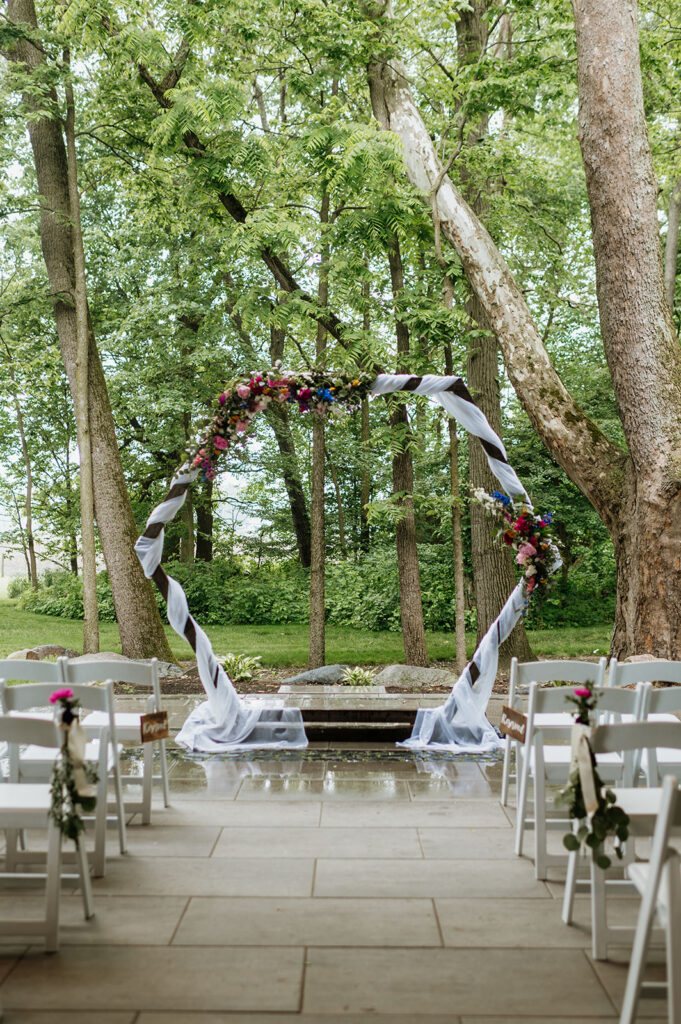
599,916
164,774
506,772
522,774
120,806
672,880
52,887
147,782
570,886
99,859
85,884
540,845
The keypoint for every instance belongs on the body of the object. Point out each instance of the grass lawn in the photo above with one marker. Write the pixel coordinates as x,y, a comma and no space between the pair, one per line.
287,645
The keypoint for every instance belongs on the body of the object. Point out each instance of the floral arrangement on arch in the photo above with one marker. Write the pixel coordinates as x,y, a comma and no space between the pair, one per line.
316,392
529,535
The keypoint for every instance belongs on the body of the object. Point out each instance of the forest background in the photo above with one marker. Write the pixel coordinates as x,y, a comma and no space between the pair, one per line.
167,113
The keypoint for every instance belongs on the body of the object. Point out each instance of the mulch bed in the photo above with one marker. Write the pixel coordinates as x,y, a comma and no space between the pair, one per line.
270,679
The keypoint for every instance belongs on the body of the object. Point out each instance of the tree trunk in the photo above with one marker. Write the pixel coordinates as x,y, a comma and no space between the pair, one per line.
636,495
317,650
139,622
277,417
339,506
365,481
29,543
671,248
187,538
204,523
411,604
457,531
82,396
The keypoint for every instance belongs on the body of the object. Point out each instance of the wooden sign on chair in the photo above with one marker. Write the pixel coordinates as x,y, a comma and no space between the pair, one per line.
513,723
154,726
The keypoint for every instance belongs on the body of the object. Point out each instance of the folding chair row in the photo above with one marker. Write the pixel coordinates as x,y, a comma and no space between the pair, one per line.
27,805
70,672
659,707
543,762
36,763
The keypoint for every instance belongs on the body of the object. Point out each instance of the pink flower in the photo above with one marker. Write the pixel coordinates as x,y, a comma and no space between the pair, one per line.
525,551
581,691
283,394
222,398
220,443
304,394
65,694
197,460
242,425
243,391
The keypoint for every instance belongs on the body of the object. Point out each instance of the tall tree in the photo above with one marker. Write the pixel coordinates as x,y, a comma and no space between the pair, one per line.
637,493
139,621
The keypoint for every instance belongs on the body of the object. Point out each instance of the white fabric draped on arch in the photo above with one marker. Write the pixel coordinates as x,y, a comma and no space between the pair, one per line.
228,721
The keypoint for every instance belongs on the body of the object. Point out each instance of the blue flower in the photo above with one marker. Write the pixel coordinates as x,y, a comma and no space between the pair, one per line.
325,394
548,517
503,498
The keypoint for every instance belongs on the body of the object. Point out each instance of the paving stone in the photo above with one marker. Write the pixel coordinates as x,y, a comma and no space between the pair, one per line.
210,876
318,842
470,843
308,922
463,981
327,789
98,978
419,814
386,878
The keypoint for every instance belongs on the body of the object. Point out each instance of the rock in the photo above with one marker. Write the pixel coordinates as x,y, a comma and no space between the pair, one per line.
327,675
54,651
407,677
165,668
634,659
25,655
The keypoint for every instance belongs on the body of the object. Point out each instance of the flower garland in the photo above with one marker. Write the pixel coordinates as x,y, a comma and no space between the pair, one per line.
607,819
238,405
527,534
73,780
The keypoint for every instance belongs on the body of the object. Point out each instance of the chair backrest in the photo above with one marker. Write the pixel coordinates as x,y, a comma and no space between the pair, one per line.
15,729
526,672
137,673
666,699
37,695
35,671
635,736
644,672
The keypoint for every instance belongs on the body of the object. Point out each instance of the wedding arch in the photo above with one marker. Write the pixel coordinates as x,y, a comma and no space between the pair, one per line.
227,721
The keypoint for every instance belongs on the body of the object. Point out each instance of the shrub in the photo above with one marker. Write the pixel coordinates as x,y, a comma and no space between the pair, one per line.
60,593
239,667
357,676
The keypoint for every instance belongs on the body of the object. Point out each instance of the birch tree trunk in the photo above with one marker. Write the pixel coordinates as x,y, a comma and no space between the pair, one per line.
139,622
82,397
27,535
671,248
637,494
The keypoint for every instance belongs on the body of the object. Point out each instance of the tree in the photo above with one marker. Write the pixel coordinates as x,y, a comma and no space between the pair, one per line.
139,621
636,493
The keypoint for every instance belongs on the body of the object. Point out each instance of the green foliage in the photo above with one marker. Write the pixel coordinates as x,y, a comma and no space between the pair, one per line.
240,667
357,676
61,593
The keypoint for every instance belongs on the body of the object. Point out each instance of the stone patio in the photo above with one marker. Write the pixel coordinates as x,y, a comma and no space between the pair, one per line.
337,885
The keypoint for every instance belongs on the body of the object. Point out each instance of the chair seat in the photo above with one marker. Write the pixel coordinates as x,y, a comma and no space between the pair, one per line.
562,755
664,755
30,802
639,873
127,723
35,760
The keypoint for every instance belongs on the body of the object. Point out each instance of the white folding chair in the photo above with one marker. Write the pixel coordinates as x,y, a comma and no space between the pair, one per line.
659,883
137,673
102,750
646,672
542,763
627,738
662,705
27,805
524,673
33,671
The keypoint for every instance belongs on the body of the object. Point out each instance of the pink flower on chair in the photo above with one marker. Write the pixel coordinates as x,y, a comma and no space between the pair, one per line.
581,691
64,694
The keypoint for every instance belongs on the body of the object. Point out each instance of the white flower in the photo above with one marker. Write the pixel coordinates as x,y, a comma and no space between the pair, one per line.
532,571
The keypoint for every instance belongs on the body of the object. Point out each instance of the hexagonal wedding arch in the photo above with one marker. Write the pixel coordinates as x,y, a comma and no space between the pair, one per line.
228,722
